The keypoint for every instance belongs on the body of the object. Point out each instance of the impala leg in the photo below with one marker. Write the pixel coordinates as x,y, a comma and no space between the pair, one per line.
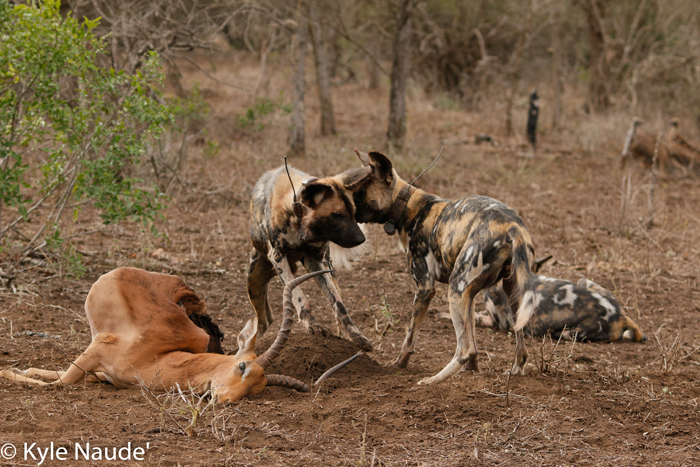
53,375
87,364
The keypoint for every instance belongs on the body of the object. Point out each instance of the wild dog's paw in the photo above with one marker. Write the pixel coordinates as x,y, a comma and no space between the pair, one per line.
356,336
400,363
317,329
364,343
426,381
472,365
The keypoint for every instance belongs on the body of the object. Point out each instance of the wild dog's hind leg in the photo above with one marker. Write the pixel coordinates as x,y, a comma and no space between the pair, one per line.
260,272
330,289
463,319
301,303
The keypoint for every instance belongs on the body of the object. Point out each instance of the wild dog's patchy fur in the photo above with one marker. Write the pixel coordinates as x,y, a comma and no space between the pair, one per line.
469,244
583,311
284,232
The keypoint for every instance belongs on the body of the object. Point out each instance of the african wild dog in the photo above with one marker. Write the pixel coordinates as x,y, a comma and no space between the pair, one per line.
584,311
284,232
469,244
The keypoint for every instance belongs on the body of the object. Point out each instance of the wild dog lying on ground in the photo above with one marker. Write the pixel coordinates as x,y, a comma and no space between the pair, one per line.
469,244
284,232
142,334
584,311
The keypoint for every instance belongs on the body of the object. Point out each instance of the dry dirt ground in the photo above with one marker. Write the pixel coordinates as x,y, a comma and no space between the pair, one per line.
588,404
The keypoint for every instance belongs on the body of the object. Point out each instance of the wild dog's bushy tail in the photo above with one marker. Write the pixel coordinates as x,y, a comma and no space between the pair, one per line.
341,257
632,331
524,277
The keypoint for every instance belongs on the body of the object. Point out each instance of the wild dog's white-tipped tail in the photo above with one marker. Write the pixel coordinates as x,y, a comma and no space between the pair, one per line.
528,306
529,298
341,257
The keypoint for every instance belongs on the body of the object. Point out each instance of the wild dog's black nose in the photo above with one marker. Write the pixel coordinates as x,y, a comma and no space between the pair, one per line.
358,238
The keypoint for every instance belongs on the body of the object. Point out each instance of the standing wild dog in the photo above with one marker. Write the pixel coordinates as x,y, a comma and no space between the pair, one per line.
288,227
583,311
469,244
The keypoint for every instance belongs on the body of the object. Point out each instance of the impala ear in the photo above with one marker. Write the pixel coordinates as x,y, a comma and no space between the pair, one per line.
246,338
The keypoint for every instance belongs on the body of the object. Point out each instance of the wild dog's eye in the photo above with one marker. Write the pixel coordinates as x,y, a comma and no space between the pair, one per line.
338,215
242,367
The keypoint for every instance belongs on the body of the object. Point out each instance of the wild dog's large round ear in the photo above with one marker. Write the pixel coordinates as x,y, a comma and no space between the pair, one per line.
353,178
298,206
382,166
313,193
363,156
538,263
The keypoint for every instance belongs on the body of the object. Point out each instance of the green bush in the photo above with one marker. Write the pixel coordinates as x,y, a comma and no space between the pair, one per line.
262,107
69,125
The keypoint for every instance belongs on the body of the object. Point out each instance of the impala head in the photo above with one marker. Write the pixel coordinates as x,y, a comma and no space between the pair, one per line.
246,377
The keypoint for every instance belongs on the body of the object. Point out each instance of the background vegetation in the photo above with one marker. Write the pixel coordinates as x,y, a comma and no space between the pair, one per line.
88,120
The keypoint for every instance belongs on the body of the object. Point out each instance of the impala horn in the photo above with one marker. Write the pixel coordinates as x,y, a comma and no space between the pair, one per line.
287,318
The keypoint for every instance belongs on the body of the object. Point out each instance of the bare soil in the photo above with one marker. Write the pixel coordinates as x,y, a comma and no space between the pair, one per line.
584,404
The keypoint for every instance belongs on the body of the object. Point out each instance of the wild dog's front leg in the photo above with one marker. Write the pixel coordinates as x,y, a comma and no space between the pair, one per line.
329,287
260,272
421,301
424,277
301,303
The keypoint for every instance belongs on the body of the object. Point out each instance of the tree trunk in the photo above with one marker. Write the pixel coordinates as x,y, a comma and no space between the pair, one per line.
372,66
297,130
514,67
263,83
557,78
396,133
323,82
598,90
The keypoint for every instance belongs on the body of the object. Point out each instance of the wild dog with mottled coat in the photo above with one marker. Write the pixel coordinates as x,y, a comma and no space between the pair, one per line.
583,311
469,244
288,227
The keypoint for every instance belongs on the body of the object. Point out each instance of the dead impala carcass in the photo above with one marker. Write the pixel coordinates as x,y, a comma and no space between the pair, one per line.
583,311
142,333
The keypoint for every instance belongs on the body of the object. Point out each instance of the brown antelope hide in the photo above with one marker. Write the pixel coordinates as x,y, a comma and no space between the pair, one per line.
142,334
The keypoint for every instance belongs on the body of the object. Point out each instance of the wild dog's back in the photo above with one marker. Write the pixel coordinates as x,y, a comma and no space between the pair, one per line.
441,228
